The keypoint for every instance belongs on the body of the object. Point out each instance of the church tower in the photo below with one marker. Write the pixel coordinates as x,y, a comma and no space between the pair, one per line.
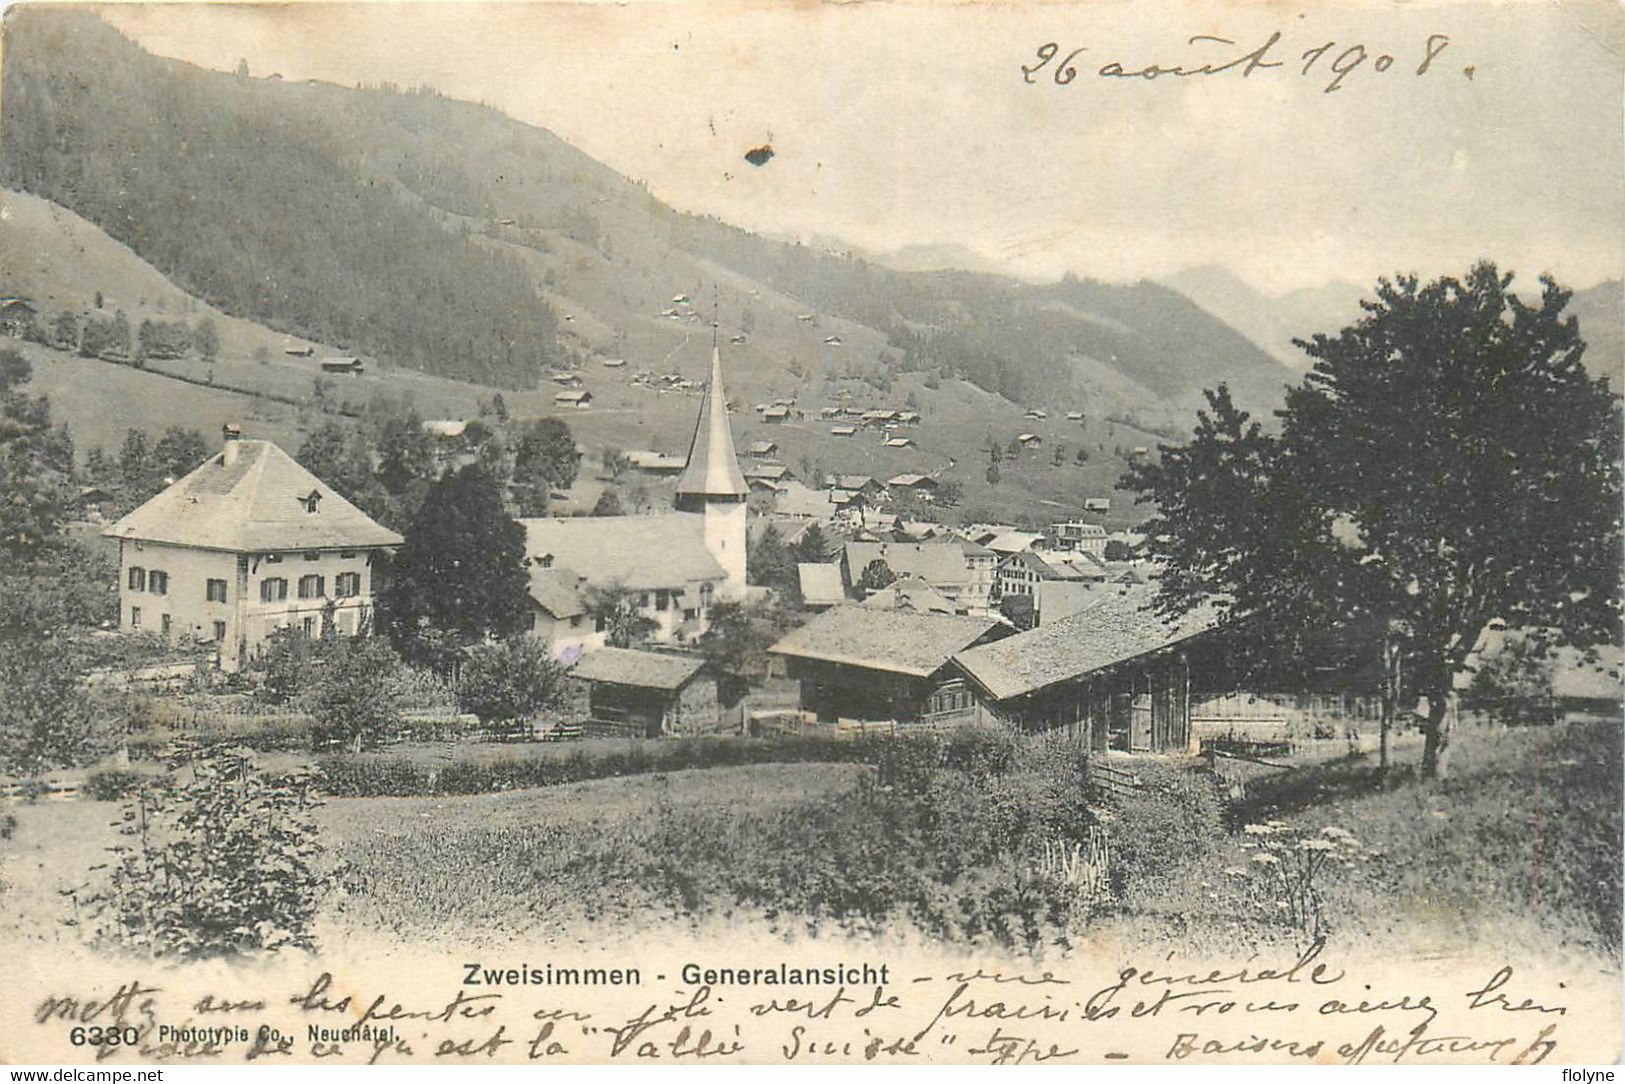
712,485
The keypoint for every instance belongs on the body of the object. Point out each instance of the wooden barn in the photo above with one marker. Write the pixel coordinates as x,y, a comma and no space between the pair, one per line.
648,694
1115,675
873,665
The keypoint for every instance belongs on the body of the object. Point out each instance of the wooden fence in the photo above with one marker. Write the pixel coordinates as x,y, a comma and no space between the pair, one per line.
1109,781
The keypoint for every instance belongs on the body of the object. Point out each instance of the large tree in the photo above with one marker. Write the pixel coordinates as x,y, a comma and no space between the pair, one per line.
545,457
1446,463
460,575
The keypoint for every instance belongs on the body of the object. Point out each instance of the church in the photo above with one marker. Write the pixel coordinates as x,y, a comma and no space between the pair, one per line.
674,566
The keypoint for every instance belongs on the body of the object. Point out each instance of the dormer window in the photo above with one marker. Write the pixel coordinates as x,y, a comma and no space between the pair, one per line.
545,560
310,501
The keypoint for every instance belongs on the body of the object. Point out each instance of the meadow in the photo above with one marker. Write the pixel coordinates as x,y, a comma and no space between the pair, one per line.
986,842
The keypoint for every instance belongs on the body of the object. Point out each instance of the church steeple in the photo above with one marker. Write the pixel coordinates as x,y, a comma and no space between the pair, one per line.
712,472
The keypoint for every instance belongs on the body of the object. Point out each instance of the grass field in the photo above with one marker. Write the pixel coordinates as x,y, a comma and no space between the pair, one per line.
1523,842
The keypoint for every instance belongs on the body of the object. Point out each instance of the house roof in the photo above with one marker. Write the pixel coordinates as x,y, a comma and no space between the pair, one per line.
642,552
910,593
909,481
941,564
642,669
899,442
897,641
854,481
760,447
1120,626
770,471
445,427
576,396
256,504
713,467
1014,541
557,590
820,583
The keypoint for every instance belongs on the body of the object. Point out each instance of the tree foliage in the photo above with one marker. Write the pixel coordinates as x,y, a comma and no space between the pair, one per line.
460,570
510,679
1445,464
617,611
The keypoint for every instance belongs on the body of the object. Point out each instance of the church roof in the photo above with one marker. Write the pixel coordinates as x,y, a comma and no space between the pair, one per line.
259,502
713,467
640,552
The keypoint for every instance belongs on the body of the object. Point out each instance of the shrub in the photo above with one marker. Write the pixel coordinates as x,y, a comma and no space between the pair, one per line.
224,862
111,784
511,679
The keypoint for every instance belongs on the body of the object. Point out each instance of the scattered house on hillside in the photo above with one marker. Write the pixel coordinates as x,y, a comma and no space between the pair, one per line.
806,317
922,486
445,428
566,378
650,462
821,585
247,543
842,430
1038,414
761,449
1074,415
898,442
769,472
579,398
299,351
1029,440
352,366
614,363
738,340
860,484
1077,536
874,665
832,340
877,419
776,415
647,694
17,315
1116,675
92,503
1097,504
679,299
908,417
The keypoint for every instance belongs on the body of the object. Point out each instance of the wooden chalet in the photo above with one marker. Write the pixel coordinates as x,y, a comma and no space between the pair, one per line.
1115,675
872,665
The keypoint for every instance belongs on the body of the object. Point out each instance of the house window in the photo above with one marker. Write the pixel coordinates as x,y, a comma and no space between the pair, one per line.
348,555
662,599
274,589
138,578
312,587
598,623
135,617
219,631
313,555
575,622
643,601
310,502
309,627
347,585
216,590
163,624
158,582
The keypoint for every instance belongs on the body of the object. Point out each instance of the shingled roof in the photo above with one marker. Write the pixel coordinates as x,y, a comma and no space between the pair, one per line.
557,590
899,641
642,552
941,564
713,468
259,502
641,669
1119,627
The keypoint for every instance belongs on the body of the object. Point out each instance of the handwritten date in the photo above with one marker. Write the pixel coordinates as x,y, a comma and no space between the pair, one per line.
1334,60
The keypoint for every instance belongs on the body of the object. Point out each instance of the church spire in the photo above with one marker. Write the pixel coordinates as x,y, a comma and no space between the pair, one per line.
713,467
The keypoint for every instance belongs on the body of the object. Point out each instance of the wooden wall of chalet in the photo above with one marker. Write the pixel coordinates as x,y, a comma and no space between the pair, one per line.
1139,706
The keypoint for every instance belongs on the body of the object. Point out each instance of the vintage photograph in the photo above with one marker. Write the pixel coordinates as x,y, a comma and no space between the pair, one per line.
847,533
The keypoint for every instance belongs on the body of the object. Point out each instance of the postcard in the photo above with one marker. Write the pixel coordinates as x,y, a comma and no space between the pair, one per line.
1082,532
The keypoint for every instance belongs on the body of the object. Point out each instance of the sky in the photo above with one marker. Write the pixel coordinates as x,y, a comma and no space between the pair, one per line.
902,124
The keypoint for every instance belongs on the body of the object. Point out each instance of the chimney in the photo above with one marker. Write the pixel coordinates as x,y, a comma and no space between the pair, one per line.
232,434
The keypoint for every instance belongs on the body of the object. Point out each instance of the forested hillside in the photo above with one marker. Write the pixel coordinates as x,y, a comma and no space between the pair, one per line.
444,236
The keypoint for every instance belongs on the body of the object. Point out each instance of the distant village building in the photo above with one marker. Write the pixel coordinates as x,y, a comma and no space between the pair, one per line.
675,564
579,398
1097,504
898,442
776,415
347,366
875,665
922,486
247,543
1078,536
17,315
299,351
761,449
841,430
649,462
